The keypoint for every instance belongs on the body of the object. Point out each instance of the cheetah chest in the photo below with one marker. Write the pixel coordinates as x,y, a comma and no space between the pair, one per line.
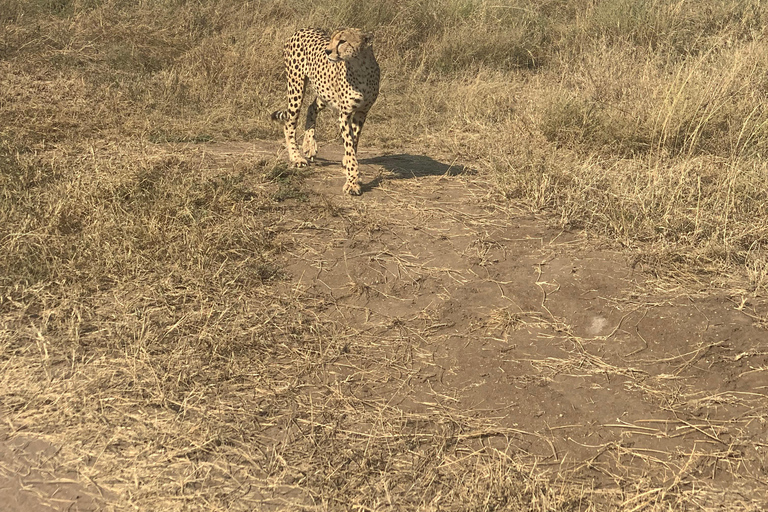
347,86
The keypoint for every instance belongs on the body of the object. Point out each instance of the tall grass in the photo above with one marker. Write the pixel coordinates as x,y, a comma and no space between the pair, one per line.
642,119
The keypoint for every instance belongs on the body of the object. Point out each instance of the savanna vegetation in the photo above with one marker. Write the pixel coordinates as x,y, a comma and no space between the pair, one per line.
142,316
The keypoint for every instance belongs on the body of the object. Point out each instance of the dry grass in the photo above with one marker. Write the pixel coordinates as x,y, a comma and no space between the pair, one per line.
143,314
144,322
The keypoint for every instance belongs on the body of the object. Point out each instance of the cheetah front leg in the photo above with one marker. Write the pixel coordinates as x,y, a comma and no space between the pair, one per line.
310,143
352,185
358,120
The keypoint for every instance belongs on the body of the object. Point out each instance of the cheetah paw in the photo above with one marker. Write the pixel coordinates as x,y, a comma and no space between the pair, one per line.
310,149
352,189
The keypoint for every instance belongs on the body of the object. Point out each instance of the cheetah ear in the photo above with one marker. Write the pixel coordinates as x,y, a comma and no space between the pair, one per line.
367,38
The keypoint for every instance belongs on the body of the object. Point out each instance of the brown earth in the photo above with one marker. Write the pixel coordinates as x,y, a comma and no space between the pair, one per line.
31,481
569,348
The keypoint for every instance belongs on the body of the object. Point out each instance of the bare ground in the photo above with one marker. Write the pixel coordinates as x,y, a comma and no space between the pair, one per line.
565,353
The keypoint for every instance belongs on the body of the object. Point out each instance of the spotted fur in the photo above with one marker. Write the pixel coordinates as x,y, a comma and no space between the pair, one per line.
345,75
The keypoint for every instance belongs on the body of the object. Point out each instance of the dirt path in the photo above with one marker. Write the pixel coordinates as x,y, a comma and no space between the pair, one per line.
564,347
561,341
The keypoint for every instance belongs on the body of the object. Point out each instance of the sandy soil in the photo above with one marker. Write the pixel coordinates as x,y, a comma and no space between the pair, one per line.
571,348
30,480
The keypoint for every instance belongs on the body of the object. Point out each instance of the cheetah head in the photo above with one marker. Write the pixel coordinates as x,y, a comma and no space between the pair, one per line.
347,44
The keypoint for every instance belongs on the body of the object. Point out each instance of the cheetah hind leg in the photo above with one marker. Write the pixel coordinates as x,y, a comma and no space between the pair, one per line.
309,146
293,154
296,87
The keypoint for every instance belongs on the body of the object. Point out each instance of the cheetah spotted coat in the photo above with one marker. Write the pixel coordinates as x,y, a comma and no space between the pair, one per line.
343,71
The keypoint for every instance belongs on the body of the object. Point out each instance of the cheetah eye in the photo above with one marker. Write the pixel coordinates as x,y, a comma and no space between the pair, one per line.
341,42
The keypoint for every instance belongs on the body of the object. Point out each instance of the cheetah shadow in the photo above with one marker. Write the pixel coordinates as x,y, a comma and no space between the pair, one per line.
405,166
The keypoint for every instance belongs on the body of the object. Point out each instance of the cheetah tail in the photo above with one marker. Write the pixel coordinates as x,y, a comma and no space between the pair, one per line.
279,115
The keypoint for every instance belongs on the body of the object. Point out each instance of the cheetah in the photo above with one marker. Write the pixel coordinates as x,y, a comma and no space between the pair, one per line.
345,75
